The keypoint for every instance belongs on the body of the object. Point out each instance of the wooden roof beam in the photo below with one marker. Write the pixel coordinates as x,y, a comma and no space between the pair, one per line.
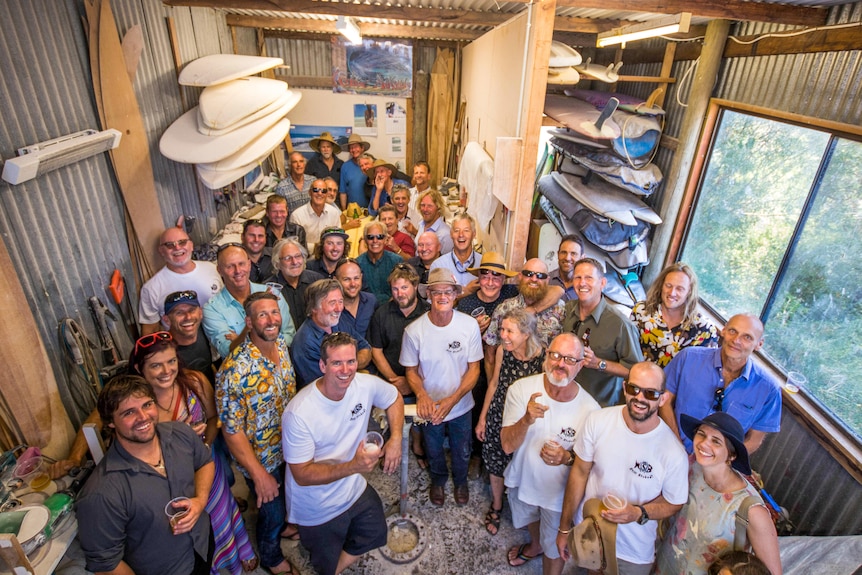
283,26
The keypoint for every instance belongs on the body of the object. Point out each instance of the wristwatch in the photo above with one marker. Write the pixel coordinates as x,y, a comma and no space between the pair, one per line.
571,461
642,520
603,365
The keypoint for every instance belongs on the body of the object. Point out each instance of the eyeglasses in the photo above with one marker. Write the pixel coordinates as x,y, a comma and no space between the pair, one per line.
319,190
539,275
567,359
374,236
223,247
489,272
296,258
176,244
650,394
442,292
152,339
719,399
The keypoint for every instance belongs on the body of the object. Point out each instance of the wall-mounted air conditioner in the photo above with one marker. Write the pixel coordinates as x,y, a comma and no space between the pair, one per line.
35,160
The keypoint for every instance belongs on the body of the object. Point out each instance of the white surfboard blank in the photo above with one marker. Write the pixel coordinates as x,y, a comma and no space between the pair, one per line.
220,68
223,105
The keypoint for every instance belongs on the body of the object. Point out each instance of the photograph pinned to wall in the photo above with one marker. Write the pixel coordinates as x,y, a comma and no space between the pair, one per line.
301,136
365,119
396,118
377,67
396,147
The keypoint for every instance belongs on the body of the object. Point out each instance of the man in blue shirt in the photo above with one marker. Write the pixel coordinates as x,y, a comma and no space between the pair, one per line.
377,263
351,188
703,380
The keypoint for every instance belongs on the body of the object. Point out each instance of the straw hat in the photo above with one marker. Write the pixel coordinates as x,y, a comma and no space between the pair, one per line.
378,163
593,541
439,276
493,261
357,139
324,137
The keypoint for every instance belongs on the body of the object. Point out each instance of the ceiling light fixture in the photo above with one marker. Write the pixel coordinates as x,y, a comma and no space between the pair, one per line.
666,25
348,28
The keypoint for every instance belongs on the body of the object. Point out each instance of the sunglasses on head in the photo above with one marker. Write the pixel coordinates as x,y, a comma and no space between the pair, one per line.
539,275
374,236
489,272
176,244
650,394
223,247
181,296
151,339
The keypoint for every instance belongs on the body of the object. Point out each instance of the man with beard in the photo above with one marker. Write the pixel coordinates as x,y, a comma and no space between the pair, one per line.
407,216
326,164
629,450
253,387
542,415
340,516
316,215
293,277
147,465
399,243
432,208
184,318
463,256
351,188
224,316
324,309
380,174
333,246
254,241
180,273
613,340
359,305
427,250
297,183
376,262
277,224
441,353
571,249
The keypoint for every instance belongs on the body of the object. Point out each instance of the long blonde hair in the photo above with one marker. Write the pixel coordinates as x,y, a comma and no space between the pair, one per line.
653,300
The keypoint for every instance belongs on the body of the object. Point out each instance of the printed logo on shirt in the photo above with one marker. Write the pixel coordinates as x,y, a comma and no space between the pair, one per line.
455,347
642,469
567,434
357,412
214,288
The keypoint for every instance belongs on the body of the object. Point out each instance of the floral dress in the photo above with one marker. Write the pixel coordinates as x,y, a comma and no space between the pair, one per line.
511,370
703,528
660,344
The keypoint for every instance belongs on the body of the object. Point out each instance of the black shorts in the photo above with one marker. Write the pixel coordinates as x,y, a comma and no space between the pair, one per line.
360,529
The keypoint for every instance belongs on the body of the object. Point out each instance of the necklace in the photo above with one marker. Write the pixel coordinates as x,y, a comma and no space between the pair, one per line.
171,404
160,465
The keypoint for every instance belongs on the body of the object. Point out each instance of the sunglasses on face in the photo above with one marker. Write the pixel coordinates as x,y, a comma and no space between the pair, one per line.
650,394
489,272
374,236
567,359
176,244
150,340
319,190
539,275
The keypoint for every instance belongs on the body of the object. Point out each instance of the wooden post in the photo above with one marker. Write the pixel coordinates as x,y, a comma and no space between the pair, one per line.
13,554
677,177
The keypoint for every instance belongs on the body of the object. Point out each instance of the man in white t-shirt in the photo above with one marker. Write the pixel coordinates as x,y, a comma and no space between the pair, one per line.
441,352
542,415
316,215
340,516
179,274
630,450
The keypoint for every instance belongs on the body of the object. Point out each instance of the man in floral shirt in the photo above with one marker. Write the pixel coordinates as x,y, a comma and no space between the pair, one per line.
253,387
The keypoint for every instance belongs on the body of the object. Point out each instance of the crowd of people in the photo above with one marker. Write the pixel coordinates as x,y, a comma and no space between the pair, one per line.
270,362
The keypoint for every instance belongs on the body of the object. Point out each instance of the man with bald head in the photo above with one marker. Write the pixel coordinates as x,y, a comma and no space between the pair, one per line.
427,250
224,316
612,339
701,381
180,273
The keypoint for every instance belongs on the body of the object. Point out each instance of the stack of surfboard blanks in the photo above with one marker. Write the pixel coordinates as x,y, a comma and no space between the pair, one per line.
239,120
561,66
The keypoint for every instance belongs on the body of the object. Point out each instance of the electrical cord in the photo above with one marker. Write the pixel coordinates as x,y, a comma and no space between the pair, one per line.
82,371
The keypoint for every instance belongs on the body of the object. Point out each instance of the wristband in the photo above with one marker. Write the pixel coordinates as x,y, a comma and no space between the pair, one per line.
564,531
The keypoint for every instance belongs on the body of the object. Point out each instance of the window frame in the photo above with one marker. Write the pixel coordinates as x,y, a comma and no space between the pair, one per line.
829,431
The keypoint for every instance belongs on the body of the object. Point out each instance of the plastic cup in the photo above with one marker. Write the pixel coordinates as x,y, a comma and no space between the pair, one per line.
176,509
795,382
33,472
373,442
274,288
478,312
614,500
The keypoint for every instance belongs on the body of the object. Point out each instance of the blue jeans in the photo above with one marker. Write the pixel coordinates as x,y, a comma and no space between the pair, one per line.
270,522
460,433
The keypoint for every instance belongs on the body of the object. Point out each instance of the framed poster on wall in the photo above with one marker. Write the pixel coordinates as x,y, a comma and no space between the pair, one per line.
378,67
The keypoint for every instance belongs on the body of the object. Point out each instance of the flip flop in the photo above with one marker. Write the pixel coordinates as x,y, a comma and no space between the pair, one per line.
289,571
293,536
524,558
422,460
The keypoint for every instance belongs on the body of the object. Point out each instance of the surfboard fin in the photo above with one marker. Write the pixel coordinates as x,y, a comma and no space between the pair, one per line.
609,109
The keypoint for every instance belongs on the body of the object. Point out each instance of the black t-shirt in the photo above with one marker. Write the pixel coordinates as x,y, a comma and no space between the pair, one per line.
387,330
471,302
198,356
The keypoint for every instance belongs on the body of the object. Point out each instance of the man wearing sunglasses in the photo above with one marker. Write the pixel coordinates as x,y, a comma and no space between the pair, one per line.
542,415
613,339
705,380
316,215
180,273
377,263
297,183
462,256
629,450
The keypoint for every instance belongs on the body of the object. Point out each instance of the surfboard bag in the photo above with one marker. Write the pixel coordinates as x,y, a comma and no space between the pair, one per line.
639,182
628,103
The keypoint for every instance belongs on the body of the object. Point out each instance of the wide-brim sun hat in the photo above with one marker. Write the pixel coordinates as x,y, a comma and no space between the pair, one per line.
324,137
377,164
592,542
439,276
357,139
492,261
729,427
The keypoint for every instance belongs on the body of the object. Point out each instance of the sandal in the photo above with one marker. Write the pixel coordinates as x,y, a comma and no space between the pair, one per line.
288,572
290,532
249,565
492,519
520,555
422,460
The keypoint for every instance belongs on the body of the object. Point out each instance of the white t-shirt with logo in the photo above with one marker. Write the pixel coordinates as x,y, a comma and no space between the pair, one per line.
315,428
443,355
641,466
204,280
540,484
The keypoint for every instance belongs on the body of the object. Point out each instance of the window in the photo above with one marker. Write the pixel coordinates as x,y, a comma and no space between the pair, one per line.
776,230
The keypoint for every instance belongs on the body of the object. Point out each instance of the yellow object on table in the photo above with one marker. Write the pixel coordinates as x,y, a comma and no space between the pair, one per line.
355,233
